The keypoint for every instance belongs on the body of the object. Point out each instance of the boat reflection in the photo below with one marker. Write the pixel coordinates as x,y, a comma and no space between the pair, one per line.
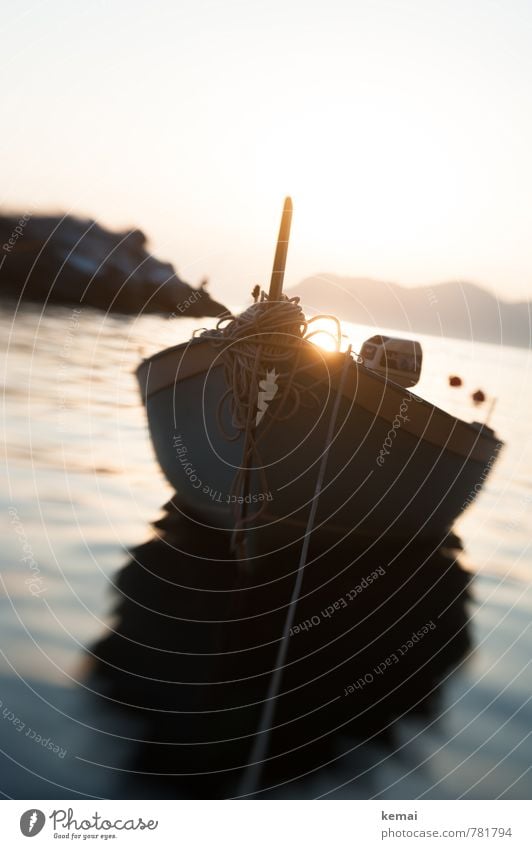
377,628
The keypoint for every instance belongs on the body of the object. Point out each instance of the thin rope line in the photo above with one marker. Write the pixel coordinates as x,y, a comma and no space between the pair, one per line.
254,766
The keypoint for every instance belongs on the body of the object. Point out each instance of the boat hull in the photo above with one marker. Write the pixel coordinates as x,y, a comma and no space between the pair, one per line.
395,465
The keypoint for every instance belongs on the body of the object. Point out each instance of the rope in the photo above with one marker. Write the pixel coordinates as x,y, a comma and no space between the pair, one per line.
258,752
266,337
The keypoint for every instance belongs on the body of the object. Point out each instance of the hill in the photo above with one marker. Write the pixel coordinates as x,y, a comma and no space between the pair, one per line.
457,309
67,260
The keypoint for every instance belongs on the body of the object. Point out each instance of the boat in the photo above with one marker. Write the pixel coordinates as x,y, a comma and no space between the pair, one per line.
268,437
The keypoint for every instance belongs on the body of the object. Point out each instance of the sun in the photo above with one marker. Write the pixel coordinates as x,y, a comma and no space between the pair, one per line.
327,334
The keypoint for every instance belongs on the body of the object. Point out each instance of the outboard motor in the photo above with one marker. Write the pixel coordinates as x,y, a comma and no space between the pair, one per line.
398,360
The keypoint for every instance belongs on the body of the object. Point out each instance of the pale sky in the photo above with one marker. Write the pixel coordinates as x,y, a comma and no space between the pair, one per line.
401,128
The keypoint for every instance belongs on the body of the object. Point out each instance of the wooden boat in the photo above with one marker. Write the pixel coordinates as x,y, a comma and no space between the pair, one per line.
267,436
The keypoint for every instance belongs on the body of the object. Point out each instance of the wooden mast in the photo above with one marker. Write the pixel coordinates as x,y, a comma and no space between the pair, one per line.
279,263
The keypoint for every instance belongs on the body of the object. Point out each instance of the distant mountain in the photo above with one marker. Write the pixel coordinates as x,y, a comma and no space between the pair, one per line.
460,310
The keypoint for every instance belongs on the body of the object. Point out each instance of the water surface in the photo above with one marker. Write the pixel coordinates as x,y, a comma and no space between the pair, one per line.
82,488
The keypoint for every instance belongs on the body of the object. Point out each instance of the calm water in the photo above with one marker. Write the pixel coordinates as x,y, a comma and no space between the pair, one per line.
81,489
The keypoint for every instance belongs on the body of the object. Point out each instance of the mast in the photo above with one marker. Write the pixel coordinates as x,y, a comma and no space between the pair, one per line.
279,262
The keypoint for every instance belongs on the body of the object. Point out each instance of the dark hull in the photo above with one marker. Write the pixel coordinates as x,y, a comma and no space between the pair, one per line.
396,465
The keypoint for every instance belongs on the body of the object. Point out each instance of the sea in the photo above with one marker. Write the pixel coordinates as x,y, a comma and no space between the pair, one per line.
81,492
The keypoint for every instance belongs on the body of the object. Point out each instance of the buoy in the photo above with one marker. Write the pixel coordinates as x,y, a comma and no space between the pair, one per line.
454,380
478,396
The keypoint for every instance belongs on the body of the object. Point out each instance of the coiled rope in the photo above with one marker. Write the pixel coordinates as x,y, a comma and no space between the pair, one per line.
266,337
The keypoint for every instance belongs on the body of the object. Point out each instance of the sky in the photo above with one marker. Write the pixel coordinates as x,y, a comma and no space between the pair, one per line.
402,129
